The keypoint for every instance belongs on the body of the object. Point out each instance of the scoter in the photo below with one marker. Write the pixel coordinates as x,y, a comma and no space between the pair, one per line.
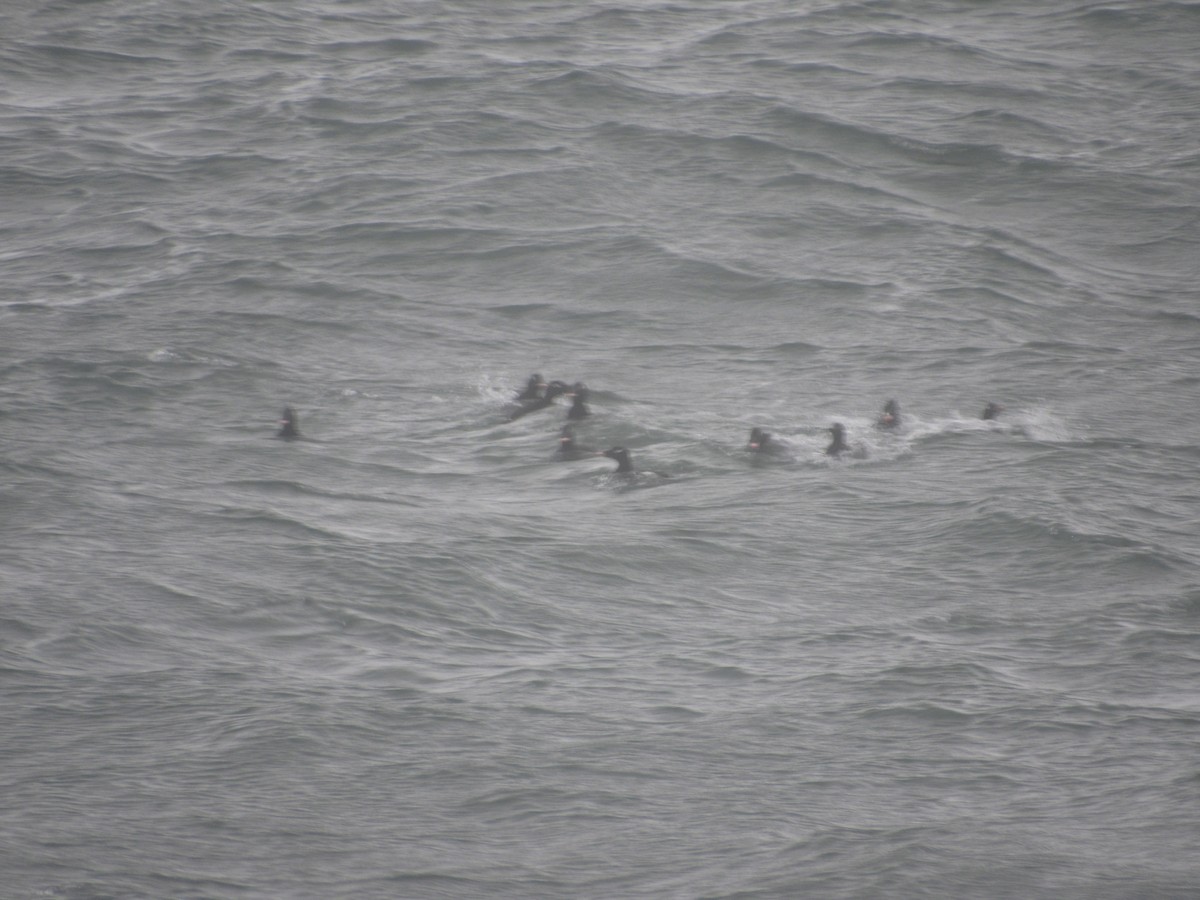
625,464
289,425
568,448
761,441
579,396
890,417
838,445
532,390
554,390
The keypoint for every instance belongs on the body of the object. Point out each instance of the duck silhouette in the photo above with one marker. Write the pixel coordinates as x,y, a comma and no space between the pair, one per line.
568,448
838,445
890,417
625,464
532,390
289,425
579,409
554,390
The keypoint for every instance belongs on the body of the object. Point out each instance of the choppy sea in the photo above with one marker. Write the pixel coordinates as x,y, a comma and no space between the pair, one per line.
413,653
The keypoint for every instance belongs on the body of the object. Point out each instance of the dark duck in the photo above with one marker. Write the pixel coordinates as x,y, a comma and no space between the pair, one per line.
625,465
532,390
569,448
992,411
890,417
554,390
289,425
762,442
838,445
579,397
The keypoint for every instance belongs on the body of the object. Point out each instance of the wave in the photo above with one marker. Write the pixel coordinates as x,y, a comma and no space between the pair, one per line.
286,488
378,48
718,218
846,141
1166,14
89,60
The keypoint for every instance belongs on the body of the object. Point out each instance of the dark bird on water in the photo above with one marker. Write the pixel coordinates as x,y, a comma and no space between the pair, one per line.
764,444
569,448
579,396
759,440
890,417
625,465
838,445
621,456
532,390
289,425
554,390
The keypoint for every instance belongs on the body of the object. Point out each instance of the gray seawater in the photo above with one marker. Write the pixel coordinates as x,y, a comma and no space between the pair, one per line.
412,654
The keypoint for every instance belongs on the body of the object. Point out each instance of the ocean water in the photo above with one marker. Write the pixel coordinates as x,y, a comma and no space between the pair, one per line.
413,654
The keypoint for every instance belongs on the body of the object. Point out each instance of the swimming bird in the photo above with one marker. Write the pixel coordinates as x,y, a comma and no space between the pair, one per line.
760,441
992,410
289,426
532,390
621,455
554,390
890,417
568,448
625,464
578,395
838,445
